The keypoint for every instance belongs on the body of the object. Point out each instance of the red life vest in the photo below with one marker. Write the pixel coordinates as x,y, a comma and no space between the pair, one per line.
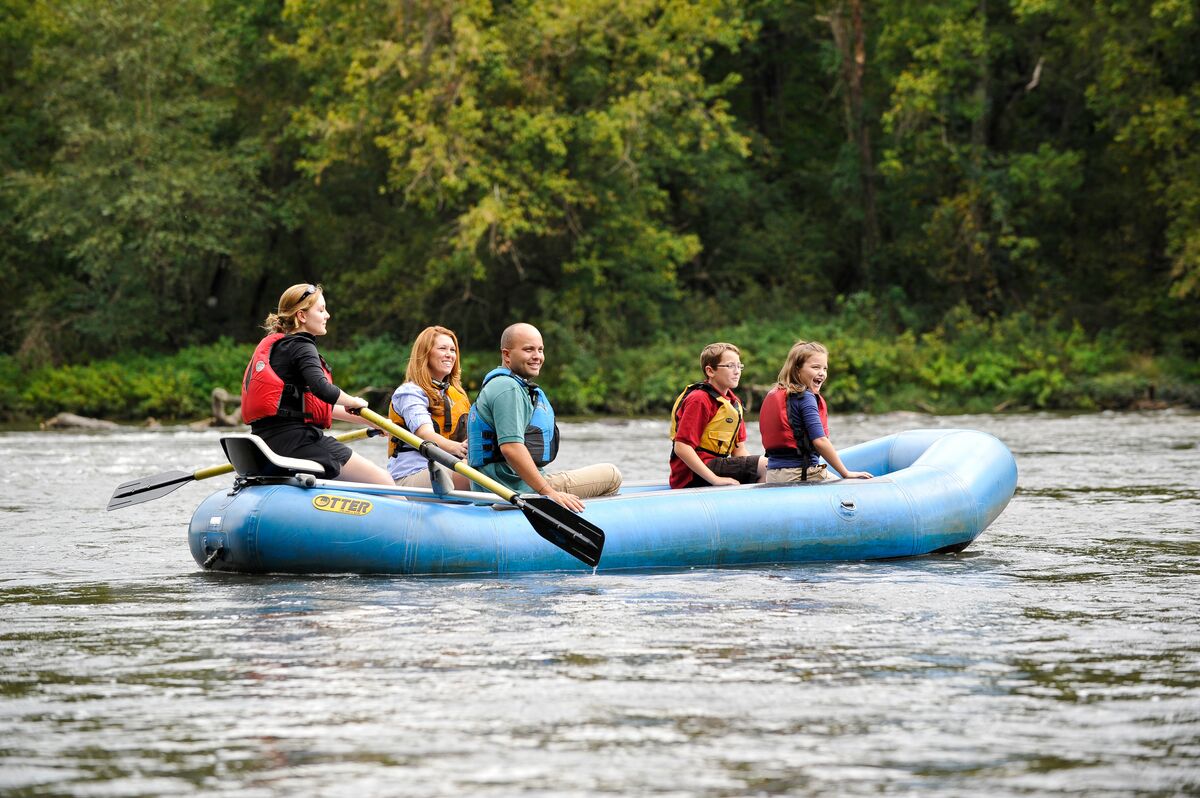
263,390
778,437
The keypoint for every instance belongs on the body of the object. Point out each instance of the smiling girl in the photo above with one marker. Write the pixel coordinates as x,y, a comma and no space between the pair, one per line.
794,422
288,395
432,405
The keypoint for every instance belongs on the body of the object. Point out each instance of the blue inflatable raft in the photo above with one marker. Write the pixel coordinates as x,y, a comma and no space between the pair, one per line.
934,491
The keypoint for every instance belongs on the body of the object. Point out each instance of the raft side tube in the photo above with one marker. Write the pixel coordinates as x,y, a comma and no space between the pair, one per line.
948,486
957,486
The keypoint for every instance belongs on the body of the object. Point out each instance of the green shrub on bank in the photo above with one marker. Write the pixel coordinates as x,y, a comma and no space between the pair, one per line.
965,364
11,379
100,389
178,386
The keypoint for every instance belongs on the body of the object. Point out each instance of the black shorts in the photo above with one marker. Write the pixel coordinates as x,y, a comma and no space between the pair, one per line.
743,469
308,443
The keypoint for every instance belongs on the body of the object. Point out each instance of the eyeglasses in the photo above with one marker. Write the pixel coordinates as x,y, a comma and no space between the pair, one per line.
737,366
308,291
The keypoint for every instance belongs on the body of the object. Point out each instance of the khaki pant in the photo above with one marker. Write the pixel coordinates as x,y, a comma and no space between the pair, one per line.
420,479
818,473
601,479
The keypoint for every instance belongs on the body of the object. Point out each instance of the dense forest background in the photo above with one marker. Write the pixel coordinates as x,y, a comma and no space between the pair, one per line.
617,172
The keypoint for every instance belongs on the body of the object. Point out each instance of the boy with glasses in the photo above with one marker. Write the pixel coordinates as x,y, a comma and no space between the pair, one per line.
708,428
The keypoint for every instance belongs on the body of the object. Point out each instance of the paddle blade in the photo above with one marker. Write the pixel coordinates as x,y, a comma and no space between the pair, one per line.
572,533
147,488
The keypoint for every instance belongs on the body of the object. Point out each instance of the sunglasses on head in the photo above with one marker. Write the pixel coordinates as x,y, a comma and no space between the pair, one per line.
308,291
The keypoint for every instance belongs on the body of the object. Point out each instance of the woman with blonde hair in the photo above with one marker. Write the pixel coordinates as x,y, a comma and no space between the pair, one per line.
432,404
288,394
794,422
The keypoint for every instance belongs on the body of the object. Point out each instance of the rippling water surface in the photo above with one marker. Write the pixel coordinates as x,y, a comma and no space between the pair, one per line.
1058,655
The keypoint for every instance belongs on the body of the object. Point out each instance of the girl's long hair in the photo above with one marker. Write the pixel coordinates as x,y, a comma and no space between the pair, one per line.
418,362
300,296
789,376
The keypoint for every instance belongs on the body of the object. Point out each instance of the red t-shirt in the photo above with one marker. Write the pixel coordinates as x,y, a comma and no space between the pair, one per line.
697,410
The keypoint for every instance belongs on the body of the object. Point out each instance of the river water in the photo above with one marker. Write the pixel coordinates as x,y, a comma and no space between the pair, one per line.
1058,655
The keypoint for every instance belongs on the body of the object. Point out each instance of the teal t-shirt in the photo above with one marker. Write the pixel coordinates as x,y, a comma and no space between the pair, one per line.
505,405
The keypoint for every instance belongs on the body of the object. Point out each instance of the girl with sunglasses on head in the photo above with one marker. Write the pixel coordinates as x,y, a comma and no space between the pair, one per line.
288,394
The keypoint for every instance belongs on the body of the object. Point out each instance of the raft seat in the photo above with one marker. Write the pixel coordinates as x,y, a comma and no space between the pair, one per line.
251,457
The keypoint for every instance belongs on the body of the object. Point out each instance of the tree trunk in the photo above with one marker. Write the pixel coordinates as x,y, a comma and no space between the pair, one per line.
849,36
979,249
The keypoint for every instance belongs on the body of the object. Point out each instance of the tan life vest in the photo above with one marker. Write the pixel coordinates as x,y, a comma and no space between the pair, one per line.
720,435
449,413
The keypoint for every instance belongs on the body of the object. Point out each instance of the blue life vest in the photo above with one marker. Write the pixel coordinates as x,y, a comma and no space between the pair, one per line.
541,436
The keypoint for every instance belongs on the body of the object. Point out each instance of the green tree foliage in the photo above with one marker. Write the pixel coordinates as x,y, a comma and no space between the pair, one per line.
1146,96
143,190
20,126
546,154
976,202
781,228
617,172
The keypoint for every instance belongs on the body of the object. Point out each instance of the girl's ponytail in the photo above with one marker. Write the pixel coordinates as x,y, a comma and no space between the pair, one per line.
298,297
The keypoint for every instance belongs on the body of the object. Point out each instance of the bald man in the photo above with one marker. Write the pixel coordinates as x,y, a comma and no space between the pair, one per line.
511,431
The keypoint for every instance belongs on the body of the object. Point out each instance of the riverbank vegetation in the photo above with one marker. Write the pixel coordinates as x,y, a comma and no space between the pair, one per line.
964,364
976,205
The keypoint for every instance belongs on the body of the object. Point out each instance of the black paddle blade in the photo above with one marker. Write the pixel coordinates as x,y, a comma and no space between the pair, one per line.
147,488
572,533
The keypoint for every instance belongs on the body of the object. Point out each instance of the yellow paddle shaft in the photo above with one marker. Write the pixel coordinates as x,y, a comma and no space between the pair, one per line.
478,477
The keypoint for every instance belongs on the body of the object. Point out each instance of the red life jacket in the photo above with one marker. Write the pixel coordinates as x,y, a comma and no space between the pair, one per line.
263,390
778,437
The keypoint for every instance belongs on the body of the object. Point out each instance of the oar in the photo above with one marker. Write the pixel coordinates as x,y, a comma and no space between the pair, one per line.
155,487
572,533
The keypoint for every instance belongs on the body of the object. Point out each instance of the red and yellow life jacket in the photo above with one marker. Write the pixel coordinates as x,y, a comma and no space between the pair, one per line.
263,390
720,435
449,413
